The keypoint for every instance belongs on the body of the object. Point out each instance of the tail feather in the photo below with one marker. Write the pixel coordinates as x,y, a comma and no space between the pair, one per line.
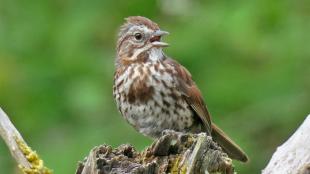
228,145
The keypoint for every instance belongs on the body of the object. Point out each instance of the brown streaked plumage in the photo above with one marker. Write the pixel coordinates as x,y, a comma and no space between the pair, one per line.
154,92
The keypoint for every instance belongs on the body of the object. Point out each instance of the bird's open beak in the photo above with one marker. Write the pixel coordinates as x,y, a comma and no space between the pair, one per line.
155,39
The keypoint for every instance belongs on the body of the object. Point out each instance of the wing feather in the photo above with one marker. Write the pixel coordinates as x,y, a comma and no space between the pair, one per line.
192,94
193,97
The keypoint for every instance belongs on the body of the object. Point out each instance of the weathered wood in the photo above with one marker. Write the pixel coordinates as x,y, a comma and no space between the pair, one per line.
174,152
10,134
27,159
292,157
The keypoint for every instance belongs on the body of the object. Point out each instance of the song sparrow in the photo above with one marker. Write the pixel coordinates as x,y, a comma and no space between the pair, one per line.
154,92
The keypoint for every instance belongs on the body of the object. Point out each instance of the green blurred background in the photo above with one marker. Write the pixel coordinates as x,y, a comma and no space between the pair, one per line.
251,59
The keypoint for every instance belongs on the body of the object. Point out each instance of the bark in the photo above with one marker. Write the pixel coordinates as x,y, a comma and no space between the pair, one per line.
174,152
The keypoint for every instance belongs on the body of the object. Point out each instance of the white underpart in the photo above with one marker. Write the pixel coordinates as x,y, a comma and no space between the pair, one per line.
156,54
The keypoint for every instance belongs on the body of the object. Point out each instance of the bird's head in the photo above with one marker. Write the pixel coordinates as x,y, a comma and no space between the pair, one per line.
139,39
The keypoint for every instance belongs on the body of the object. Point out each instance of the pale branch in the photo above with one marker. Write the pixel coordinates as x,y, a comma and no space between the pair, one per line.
292,157
174,152
28,160
10,134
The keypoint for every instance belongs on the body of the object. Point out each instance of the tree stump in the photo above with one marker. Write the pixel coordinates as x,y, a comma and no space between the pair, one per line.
174,152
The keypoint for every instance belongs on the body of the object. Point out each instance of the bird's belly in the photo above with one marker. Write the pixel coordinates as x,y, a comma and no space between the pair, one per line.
153,104
153,117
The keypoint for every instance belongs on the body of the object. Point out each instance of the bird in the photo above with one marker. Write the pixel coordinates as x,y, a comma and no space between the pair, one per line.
154,92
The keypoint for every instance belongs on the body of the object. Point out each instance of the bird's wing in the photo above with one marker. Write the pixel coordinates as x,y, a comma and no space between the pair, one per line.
193,97
191,93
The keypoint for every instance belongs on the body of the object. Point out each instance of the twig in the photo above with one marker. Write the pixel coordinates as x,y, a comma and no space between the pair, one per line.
9,134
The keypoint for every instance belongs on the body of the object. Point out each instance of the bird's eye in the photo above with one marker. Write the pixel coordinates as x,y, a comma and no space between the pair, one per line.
138,36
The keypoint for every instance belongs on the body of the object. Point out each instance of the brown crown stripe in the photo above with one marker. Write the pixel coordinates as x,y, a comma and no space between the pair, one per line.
139,20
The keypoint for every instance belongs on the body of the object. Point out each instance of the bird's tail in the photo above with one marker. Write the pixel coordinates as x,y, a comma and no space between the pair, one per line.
228,145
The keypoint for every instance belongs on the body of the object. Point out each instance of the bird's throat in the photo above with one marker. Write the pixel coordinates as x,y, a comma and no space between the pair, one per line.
153,54
156,54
